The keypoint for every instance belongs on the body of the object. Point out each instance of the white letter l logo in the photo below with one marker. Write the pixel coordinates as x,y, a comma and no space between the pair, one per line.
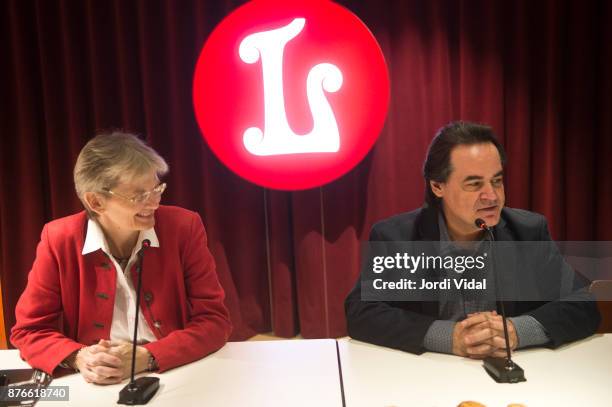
277,137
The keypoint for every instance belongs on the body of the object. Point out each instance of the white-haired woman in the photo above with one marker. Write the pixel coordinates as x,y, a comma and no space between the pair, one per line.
78,308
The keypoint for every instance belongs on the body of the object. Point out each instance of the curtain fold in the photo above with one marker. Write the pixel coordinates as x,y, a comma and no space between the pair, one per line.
3,342
538,72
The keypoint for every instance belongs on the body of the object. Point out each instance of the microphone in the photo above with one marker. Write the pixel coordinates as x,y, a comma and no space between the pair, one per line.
138,391
502,371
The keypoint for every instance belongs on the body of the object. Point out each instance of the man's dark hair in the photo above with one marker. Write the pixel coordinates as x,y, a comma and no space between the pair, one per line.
437,166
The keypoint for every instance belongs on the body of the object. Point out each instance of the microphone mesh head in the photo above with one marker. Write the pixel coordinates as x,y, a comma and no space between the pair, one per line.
481,224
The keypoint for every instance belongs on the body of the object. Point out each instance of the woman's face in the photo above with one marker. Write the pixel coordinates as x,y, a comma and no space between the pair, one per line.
120,213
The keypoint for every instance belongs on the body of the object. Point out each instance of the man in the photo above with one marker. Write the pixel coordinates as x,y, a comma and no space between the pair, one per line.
464,181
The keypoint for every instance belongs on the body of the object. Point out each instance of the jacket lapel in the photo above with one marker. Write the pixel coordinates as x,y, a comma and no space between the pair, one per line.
427,230
505,263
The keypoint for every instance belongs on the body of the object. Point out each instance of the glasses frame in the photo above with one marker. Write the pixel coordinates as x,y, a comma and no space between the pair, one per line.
140,198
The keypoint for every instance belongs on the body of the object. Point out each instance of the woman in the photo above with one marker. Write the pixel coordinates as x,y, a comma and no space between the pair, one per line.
78,308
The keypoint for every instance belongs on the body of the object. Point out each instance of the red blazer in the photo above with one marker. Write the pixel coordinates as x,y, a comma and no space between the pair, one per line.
68,301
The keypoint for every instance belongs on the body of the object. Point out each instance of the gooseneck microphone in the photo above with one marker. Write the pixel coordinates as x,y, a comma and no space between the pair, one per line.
138,391
502,371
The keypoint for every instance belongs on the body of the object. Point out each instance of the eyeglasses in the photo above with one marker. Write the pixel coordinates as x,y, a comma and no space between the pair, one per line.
140,198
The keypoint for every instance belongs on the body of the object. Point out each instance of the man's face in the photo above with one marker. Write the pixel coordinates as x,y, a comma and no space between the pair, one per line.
474,188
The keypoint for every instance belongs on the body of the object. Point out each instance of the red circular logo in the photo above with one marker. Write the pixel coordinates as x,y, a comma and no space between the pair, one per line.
291,94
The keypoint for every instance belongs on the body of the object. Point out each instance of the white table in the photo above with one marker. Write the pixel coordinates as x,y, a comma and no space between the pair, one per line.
579,374
241,374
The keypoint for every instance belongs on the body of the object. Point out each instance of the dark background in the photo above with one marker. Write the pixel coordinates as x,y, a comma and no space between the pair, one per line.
537,71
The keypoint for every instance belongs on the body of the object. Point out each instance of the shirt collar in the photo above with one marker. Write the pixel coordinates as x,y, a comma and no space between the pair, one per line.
446,243
94,239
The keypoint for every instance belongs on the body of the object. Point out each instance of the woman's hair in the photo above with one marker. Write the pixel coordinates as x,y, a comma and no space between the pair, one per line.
110,158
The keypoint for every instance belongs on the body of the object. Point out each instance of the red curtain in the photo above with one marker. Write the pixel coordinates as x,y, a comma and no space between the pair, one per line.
538,72
3,341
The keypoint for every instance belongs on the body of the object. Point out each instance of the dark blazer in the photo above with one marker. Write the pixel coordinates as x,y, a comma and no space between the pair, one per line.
403,324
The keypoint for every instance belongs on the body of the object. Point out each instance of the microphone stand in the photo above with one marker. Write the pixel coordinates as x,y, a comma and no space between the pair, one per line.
141,390
501,370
